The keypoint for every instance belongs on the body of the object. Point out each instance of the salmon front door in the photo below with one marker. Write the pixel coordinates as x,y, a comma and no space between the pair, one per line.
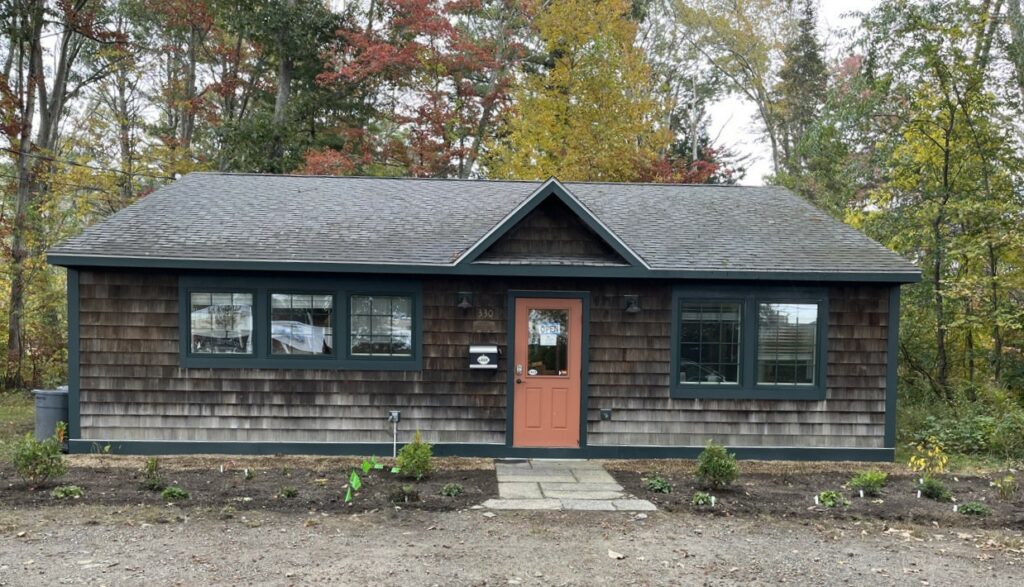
547,372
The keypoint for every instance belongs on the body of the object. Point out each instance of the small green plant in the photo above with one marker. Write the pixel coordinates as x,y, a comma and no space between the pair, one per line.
1007,487
870,482
288,492
248,474
371,464
67,491
716,467
100,449
832,499
975,508
415,459
355,483
932,488
452,490
702,499
152,480
36,461
174,493
657,484
404,494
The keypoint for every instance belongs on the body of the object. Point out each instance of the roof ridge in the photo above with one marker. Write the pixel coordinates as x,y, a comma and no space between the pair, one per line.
480,179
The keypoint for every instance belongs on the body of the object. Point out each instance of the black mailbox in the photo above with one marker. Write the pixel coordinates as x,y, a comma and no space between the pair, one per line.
483,356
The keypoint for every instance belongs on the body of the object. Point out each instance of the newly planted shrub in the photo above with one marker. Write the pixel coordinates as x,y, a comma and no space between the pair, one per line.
929,457
716,467
870,482
975,508
151,478
288,492
36,461
702,499
932,488
657,484
832,499
67,491
174,493
415,458
452,490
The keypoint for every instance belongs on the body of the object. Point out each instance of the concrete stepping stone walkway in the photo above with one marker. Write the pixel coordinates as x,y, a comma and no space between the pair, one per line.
541,484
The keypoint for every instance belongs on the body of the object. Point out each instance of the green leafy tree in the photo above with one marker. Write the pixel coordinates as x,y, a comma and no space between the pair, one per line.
587,112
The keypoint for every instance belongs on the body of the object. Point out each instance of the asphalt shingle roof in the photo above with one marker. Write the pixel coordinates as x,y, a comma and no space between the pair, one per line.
246,217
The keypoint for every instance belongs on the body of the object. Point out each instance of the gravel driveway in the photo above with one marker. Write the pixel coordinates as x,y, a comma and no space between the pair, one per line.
102,545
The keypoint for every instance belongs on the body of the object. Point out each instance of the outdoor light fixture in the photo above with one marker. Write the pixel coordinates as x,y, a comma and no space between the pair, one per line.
465,300
632,303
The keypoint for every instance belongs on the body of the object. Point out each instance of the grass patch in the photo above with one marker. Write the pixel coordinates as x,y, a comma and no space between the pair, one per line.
17,415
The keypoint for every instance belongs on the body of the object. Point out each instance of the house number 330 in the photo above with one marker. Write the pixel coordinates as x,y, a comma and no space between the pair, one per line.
485,313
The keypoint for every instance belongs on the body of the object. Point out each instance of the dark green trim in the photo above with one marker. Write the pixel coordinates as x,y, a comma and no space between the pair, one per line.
262,285
406,270
892,354
513,295
158,447
552,189
74,356
750,297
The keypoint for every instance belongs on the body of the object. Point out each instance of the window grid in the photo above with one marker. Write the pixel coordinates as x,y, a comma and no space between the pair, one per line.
713,356
380,326
220,323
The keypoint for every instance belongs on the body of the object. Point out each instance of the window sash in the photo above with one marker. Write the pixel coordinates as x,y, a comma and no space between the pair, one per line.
748,385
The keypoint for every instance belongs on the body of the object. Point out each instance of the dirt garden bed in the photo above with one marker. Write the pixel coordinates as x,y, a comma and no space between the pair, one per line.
787,490
285,484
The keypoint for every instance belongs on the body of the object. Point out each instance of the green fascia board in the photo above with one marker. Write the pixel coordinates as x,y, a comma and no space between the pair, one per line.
891,366
472,270
552,188
167,447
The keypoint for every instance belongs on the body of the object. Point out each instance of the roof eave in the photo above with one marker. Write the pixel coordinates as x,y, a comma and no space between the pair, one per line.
76,261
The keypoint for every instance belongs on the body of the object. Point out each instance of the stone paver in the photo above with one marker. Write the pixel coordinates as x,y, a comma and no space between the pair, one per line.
523,504
560,485
515,490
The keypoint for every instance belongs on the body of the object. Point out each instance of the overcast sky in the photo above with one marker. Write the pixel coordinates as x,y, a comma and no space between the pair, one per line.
733,119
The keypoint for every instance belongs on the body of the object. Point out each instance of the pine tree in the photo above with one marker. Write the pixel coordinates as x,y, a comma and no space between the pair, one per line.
802,88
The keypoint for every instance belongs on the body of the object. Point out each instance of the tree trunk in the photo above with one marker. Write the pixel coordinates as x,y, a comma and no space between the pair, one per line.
1015,48
997,333
23,197
285,69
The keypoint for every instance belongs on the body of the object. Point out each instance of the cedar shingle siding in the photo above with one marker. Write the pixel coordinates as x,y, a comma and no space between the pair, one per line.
132,387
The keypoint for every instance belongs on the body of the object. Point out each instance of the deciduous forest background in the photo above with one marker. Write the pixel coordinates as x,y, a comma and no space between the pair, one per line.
909,128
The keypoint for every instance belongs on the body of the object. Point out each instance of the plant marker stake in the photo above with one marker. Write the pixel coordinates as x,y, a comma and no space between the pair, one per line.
918,494
862,494
955,507
712,501
816,500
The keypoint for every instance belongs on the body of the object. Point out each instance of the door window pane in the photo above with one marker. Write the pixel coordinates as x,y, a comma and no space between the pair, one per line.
548,343
381,326
220,323
787,342
709,338
301,324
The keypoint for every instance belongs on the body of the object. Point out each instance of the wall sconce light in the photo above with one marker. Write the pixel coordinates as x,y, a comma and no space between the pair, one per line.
465,300
632,303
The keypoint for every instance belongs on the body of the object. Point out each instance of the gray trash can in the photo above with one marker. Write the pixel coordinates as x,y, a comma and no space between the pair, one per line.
51,407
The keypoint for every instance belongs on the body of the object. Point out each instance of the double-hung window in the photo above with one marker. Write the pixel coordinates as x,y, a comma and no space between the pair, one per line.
749,343
280,323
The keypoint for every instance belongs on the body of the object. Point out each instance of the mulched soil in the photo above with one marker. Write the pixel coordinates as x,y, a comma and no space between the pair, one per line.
787,490
320,484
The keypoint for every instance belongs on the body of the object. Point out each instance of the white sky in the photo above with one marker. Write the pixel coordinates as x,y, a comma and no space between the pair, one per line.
733,119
